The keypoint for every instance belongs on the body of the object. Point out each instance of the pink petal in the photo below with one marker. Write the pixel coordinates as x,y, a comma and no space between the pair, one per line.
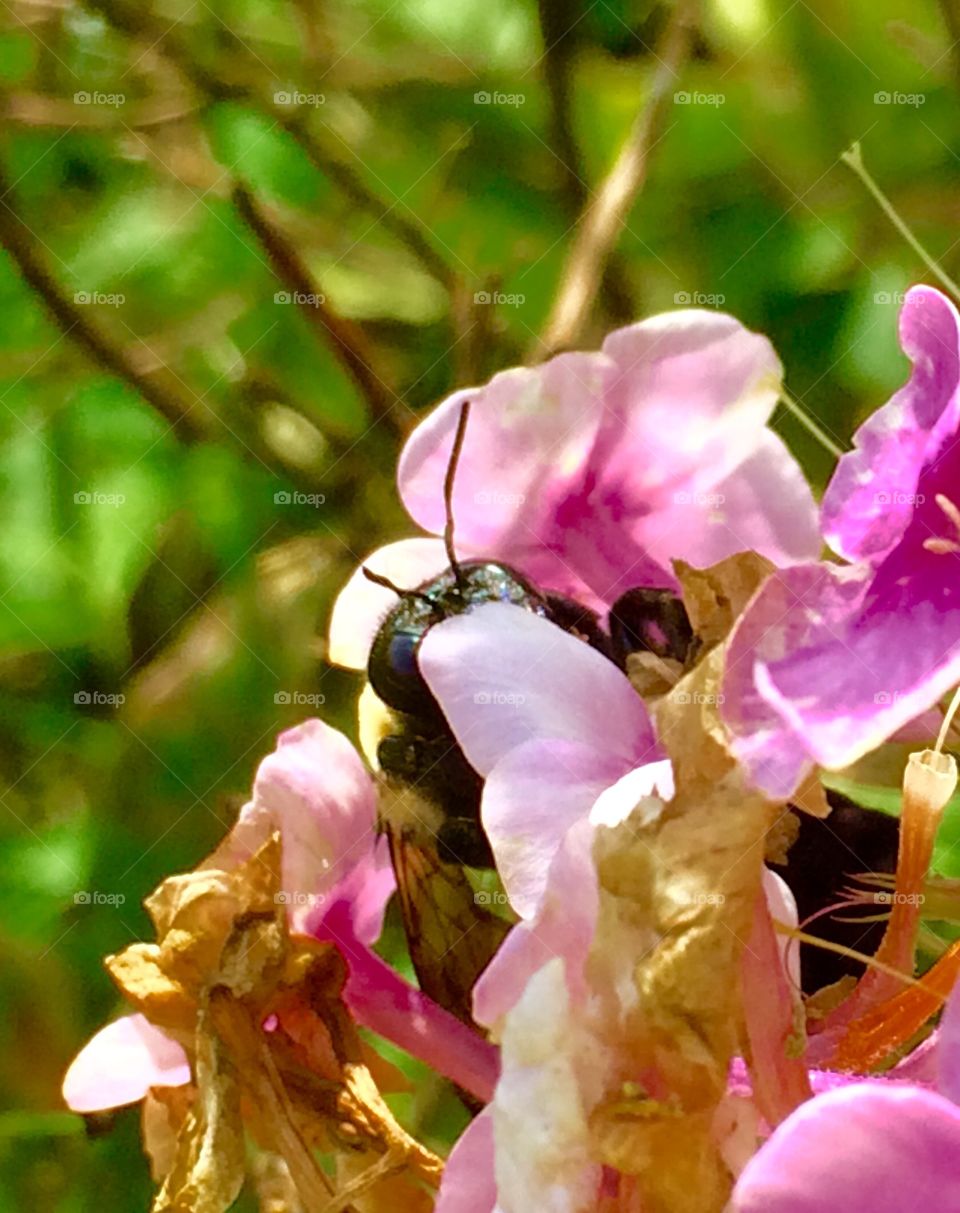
532,797
871,499
121,1063
468,1184
504,676
316,791
541,807
527,440
765,505
562,927
948,1049
886,1149
361,605
693,391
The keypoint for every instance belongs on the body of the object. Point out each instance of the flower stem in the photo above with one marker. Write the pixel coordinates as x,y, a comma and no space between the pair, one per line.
796,409
853,158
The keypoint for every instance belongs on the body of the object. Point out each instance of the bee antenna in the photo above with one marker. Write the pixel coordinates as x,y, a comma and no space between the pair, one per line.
387,584
448,482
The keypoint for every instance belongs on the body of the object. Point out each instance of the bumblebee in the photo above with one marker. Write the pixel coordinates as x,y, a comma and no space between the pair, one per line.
430,794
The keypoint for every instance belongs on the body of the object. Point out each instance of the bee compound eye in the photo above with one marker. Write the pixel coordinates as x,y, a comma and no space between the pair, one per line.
399,756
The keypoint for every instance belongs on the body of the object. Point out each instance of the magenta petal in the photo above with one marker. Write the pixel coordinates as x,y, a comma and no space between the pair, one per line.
468,1184
382,1001
361,605
788,613
846,695
886,1149
870,500
504,676
121,1063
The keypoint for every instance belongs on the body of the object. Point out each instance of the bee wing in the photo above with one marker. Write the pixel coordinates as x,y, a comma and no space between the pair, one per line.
451,938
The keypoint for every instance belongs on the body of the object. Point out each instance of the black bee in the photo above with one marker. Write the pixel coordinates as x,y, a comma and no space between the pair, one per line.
430,803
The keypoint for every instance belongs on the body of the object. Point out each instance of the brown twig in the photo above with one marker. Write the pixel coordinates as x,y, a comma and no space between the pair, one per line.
157,389
348,340
559,20
136,22
605,215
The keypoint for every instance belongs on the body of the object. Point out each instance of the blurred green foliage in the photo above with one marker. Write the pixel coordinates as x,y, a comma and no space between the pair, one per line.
175,567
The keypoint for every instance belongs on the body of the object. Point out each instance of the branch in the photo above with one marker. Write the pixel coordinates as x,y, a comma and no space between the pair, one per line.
602,220
76,324
348,341
136,22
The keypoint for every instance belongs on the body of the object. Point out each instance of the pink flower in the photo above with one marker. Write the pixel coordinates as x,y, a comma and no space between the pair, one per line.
597,469
590,473
883,1146
337,879
829,661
